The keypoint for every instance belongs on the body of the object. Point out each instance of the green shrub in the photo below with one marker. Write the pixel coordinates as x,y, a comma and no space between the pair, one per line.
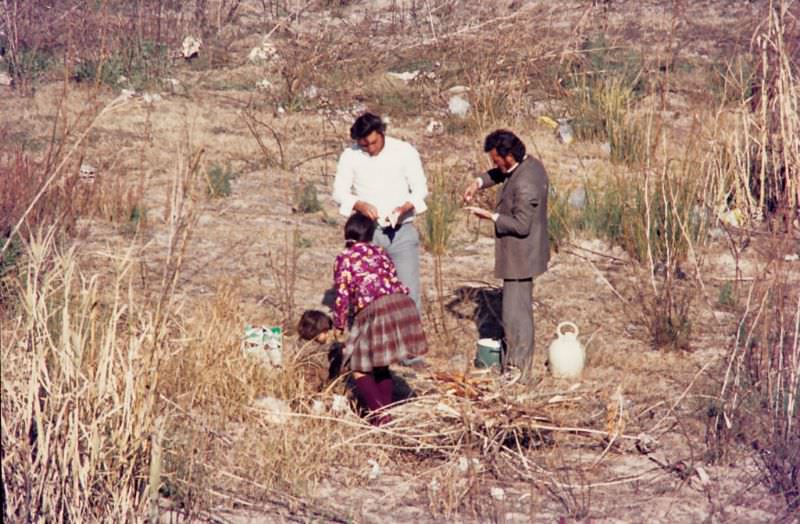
219,181
307,199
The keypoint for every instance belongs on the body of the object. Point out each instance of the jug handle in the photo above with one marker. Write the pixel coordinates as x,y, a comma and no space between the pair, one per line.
566,324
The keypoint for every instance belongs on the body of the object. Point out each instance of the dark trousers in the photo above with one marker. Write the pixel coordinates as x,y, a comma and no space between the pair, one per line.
518,324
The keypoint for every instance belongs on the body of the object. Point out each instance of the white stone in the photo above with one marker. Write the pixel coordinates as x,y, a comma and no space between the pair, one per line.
263,52
190,47
458,106
497,493
264,84
5,79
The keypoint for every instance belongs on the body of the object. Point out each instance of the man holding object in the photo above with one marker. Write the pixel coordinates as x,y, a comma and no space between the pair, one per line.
522,248
382,178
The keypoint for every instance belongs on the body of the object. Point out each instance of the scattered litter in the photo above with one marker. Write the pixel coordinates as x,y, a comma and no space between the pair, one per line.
458,106
151,98
375,469
464,465
340,405
792,258
434,127
263,52
311,92
5,79
264,343
405,76
732,217
264,84
702,475
87,172
122,79
317,407
565,133
126,94
546,120
645,443
190,47
497,493
276,411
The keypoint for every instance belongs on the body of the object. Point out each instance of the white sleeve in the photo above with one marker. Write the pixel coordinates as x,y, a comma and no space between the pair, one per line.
417,183
343,185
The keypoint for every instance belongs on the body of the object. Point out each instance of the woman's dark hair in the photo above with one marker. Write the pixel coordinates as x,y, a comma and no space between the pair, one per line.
312,323
505,143
365,124
359,228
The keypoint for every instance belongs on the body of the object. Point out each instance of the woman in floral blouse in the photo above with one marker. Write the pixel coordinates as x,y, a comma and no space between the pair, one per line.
386,327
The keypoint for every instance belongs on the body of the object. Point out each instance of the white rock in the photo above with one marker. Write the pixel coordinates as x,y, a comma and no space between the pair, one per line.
497,493
263,52
794,257
5,79
264,84
276,411
405,76
458,106
190,47
434,127
150,98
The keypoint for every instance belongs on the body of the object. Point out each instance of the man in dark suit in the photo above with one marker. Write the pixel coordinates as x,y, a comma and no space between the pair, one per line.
522,248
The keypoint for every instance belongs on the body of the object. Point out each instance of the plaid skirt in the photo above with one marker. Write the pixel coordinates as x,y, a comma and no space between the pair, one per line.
386,331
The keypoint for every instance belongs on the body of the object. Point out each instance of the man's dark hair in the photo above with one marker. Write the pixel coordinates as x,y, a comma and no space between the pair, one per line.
359,228
365,124
505,143
312,323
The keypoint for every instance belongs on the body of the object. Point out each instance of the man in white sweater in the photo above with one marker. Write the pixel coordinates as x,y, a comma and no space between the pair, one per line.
382,178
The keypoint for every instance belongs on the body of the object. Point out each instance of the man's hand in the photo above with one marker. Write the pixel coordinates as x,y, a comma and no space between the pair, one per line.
366,209
480,212
471,190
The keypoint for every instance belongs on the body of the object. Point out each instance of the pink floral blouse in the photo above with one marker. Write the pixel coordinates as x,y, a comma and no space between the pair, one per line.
362,273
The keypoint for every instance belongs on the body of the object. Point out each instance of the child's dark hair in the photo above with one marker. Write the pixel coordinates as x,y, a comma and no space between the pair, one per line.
312,323
359,228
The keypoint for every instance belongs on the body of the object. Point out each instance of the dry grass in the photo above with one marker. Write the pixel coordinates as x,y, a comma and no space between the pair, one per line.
125,390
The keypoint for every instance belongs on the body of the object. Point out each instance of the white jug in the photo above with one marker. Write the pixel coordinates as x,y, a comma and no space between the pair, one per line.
566,355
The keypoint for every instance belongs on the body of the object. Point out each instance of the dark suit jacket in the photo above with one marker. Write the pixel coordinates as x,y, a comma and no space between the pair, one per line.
522,246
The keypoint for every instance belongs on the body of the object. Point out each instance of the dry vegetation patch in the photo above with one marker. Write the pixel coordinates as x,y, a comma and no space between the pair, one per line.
125,288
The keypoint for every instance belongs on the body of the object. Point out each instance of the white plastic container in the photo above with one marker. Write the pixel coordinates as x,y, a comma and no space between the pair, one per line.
566,355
